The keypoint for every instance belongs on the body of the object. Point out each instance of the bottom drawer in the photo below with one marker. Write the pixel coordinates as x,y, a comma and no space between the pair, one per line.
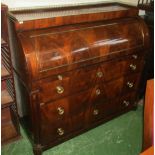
102,110
105,109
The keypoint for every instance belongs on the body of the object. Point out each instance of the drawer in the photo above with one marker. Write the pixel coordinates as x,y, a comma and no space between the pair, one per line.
127,101
67,114
123,85
107,90
102,110
131,83
68,83
121,67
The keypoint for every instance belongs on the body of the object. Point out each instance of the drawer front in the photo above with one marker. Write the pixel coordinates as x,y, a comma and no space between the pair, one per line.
68,83
63,116
107,91
127,101
131,83
102,110
128,65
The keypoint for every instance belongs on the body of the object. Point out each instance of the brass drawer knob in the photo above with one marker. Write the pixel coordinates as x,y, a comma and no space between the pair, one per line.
60,131
99,74
41,104
133,67
135,56
95,112
130,84
59,77
98,92
126,103
60,111
60,89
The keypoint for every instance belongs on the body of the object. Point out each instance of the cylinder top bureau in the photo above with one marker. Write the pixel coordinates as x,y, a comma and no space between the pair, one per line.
76,67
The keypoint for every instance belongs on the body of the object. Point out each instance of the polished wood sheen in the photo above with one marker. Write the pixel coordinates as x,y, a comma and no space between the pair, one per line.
76,71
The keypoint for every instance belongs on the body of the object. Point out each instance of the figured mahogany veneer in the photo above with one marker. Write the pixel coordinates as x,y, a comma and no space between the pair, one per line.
76,76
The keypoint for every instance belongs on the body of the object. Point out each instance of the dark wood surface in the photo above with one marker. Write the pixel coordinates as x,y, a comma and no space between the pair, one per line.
76,73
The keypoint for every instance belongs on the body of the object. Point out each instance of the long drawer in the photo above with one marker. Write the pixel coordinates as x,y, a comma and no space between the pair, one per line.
82,79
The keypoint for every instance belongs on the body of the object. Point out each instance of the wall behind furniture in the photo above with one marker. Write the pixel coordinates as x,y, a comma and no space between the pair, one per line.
21,4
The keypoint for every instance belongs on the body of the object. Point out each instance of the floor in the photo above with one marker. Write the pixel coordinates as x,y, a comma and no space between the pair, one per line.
120,136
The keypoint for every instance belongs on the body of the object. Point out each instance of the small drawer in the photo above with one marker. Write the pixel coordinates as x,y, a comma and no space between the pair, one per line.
121,67
116,88
66,113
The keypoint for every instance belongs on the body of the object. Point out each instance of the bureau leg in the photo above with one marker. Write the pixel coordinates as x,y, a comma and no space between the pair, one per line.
37,150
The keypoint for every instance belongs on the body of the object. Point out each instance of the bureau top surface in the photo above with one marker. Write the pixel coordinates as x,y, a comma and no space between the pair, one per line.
38,14
72,14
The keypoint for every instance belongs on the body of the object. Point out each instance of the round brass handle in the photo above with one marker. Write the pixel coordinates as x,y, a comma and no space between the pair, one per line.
96,112
60,131
98,91
135,56
130,84
133,67
126,103
99,74
60,89
59,77
60,111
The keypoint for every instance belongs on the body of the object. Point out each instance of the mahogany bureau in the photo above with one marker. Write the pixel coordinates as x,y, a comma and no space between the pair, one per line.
76,67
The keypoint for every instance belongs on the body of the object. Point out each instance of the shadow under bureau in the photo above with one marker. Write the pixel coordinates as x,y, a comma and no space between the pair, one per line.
76,67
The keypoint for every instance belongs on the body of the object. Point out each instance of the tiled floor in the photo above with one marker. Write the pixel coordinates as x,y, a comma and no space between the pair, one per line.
120,136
